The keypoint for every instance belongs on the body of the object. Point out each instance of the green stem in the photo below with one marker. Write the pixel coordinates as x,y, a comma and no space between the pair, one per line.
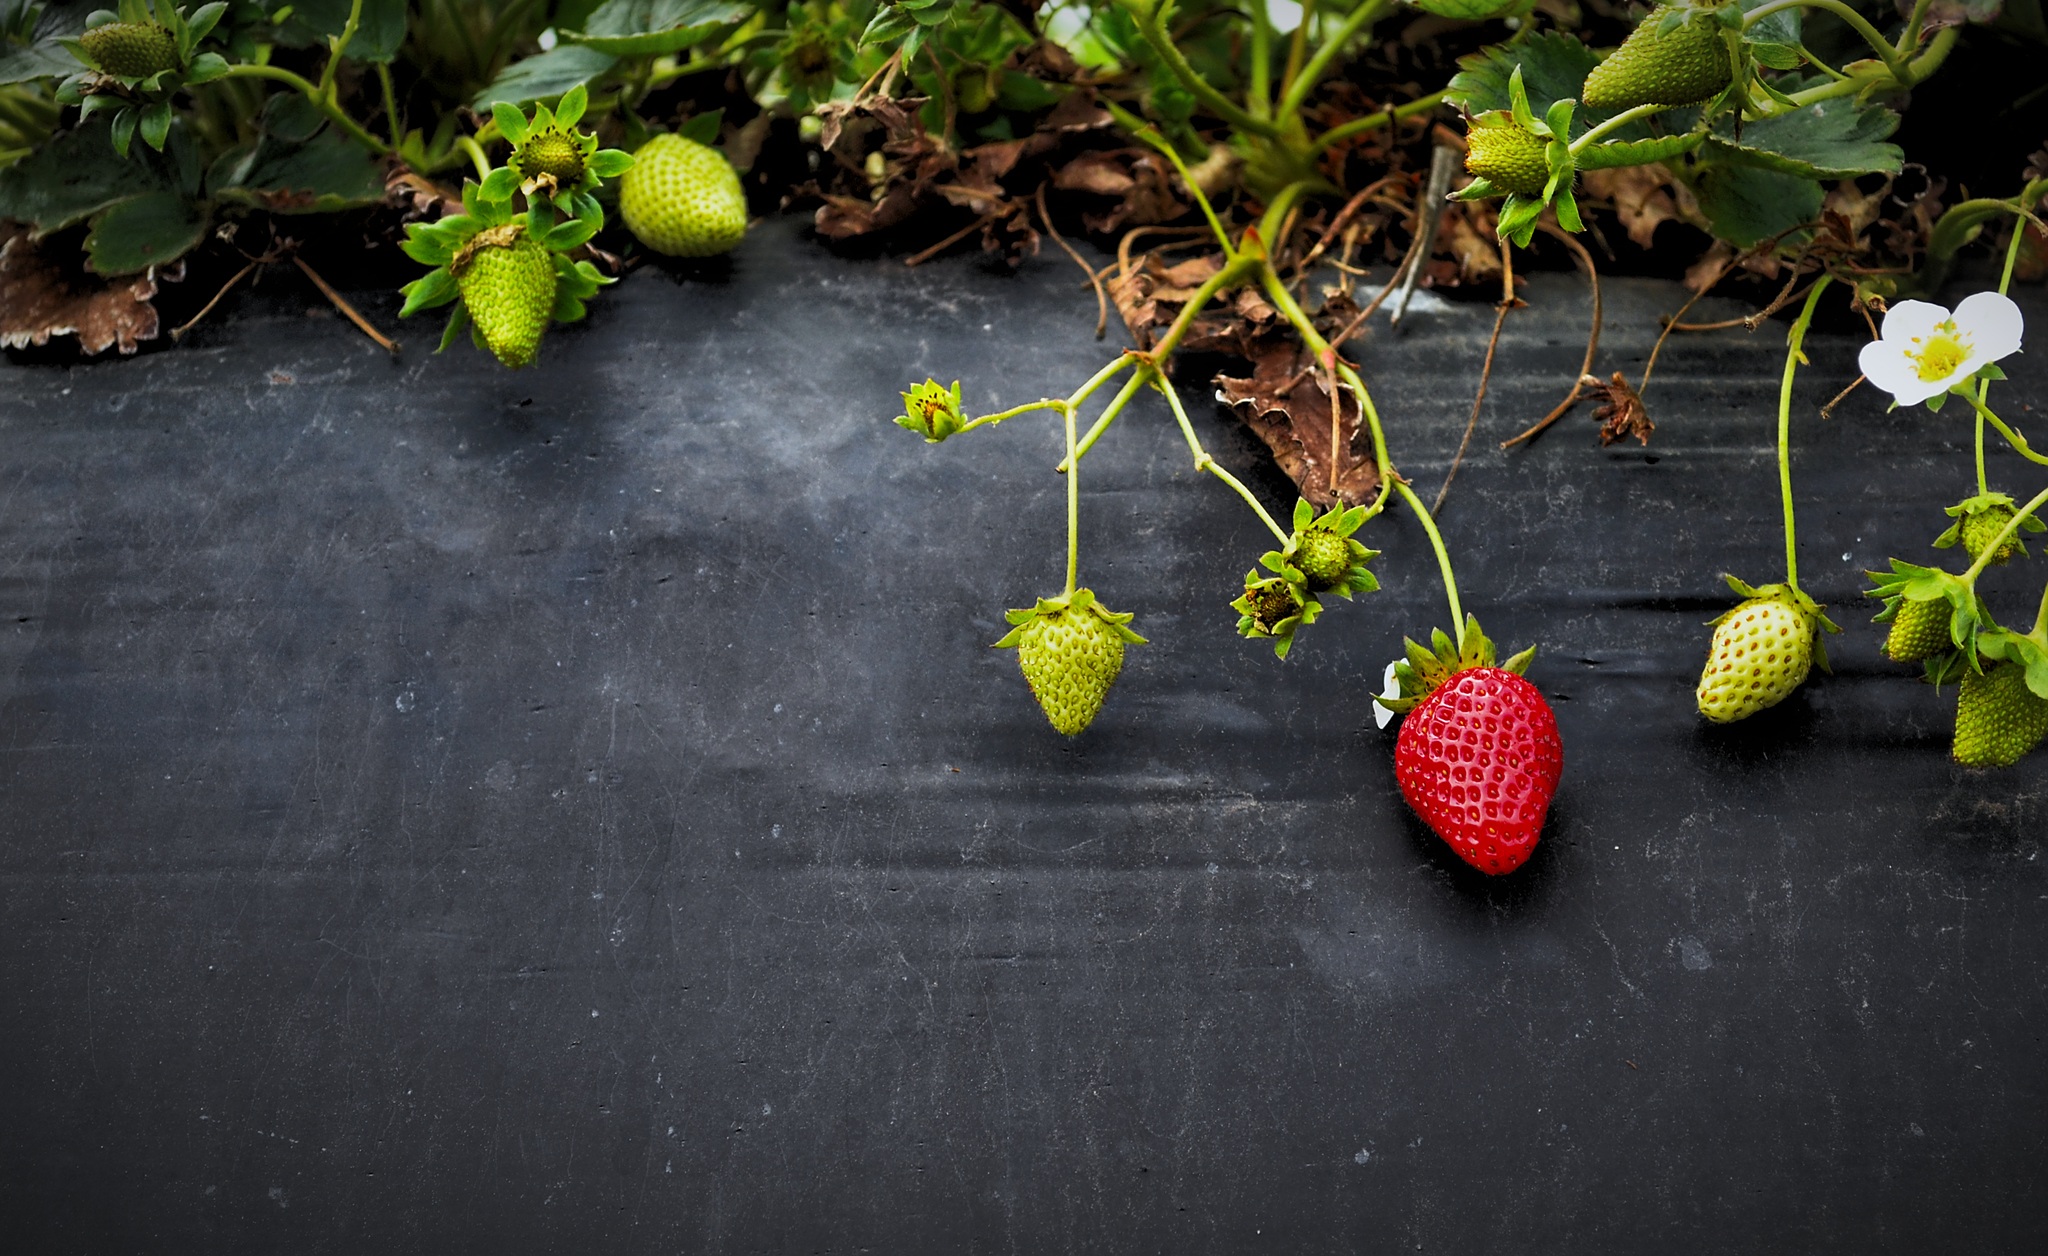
1443,559
1203,462
1109,413
1290,309
1613,124
1150,135
312,93
2012,255
1983,485
1261,94
2040,632
477,156
338,44
1373,121
2017,441
1367,12
1909,38
1049,403
1914,71
1151,28
1073,504
1793,359
1229,276
1893,58
390,105
2012,525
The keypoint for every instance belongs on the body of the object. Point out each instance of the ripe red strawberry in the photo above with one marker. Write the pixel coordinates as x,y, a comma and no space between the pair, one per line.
1478,757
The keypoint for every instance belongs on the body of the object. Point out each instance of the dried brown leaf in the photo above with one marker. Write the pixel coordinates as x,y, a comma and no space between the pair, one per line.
41,298
1642,198
1293,419
1620,410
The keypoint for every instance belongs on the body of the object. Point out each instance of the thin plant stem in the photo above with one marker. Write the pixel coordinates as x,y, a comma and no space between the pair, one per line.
337,45
2017,441
2040,632
1150,134
1073,504
320,101
1260,95
1613,124
1443,559
1374,121
390,104
1894,59
1203,462
1049,403
1296,92
1152,30
1115,407
2012,255
477,156
1291,310
1793,358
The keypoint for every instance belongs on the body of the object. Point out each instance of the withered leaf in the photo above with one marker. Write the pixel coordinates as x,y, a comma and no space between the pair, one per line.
1620,410
1291,414
40,298
1642,198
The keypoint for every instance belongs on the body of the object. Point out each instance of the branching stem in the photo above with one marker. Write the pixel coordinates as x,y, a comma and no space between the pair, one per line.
1203,462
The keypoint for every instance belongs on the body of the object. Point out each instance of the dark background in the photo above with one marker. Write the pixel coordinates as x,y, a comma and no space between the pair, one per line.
448,810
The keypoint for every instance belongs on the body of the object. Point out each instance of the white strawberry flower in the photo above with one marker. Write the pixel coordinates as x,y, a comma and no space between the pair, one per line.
1923,350
1389,688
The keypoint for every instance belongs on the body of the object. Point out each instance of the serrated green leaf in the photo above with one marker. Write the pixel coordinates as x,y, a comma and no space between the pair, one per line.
1748,204
1830,139
294,168
46,53
545,76
153,229
72,177
642,28
1773,41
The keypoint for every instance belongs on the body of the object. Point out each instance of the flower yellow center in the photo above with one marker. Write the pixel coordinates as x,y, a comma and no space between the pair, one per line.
1938,356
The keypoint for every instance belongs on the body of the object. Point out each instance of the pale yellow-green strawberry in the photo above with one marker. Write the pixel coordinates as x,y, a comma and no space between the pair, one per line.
1682,66
1998,719
507,280
683,198
1982,526
1761,652
1919,630
553,154
131,49
1070,649
1508,157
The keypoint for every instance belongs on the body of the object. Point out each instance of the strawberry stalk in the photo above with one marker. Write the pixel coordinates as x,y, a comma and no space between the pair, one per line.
1443,557
1203,462
1793,359
2012,254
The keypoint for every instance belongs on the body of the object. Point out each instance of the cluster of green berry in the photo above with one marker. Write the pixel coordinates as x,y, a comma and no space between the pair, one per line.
511,271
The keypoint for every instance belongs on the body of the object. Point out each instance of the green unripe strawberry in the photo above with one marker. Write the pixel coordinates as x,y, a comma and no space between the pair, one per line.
1070,649
131,49
1508,157
507,281
683,199
1919,630
1682,66
552,153
1981,528
1323,557
1762,651
1998,719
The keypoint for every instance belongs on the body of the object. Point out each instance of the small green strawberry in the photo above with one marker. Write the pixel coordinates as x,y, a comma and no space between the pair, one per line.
1675,56
683,198
1762,651
1920,630
507,280
131,50
1070,649
1505,154
1979,520
1998,718
1322,555
551,159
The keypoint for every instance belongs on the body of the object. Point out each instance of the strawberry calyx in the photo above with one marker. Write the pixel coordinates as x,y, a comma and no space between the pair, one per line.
553,160
1426,668
1796,598
1275,607
1526,158
1080,601
1909,582
1979,519
450,245
932,411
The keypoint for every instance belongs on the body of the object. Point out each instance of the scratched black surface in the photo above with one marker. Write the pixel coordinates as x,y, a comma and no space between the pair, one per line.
446,810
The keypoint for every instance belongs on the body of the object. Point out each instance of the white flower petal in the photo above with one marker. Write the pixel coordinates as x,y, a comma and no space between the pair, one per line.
1907,319
1886,366
1389,688
1993,323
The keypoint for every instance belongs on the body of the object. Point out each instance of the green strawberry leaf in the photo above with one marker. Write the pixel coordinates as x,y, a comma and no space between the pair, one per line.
43,51
72,177
310,23
1747,204
1830,139
1612,153
643,28
1774,41
546,76
153,229
298,165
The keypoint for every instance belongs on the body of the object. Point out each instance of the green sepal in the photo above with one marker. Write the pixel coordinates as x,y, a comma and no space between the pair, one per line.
499,185
569,109
436,287
1426,668
458,319
1518,215
1078,600
511,123
1339,521
610,163
1275,608
1963,509
1478,190
156,124
2003,643
932,411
